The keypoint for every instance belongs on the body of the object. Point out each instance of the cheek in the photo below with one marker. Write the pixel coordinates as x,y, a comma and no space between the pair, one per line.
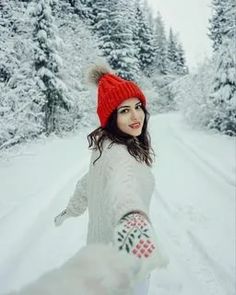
142,116
122,122
119,121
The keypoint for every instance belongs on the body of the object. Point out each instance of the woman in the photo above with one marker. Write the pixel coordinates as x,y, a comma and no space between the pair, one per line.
118,187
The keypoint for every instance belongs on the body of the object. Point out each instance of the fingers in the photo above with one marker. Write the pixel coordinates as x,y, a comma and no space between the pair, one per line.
59,219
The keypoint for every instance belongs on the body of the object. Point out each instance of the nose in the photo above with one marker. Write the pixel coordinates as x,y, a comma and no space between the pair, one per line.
134,115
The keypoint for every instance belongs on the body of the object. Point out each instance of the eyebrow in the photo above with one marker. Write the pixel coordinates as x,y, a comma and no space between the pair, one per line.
129,106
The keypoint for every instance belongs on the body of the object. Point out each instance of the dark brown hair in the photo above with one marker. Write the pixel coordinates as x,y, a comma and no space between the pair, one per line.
139,147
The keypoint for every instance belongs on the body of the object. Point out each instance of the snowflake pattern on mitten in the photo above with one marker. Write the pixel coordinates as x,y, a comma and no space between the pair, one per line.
134,235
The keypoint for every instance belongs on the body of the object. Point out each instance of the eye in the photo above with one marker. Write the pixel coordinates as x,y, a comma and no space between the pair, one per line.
139,106
124,111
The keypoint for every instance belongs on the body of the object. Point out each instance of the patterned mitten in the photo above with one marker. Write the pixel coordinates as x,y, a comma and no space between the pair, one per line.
135,236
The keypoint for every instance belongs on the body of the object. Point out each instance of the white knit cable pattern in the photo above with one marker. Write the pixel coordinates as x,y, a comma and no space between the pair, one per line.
116,185
125,189
123,185
78,203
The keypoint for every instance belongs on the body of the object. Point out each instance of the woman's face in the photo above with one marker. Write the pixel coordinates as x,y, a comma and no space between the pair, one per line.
130,117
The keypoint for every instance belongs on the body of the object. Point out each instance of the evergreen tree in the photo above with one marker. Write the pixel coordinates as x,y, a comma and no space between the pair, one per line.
47,63
84,9
160,45
223,34
99,14
218,22
101,21
6,33
172,54
191,94
176,63
20,99
147,12
79,50
230,16
117,42
143,39
223,98
181,66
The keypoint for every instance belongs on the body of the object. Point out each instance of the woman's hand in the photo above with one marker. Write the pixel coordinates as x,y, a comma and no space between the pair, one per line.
59,219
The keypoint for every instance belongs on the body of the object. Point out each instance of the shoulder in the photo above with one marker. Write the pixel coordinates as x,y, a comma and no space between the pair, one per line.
111,153
115,151
118,158
115,155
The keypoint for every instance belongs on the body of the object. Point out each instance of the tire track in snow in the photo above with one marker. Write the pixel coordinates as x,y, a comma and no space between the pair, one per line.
202,273
225,278
185,145
188,256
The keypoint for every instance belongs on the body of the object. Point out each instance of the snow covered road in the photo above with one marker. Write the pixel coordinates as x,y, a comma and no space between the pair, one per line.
196,204
193,208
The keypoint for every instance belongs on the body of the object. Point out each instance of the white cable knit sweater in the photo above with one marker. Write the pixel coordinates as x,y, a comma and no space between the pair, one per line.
116,185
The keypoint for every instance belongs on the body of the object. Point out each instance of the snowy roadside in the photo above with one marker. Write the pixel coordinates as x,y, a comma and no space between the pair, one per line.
35,185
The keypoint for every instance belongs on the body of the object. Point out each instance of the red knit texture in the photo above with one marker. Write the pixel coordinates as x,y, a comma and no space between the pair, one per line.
112,91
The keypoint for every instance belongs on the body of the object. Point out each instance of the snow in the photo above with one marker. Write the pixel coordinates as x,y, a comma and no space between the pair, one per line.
193,208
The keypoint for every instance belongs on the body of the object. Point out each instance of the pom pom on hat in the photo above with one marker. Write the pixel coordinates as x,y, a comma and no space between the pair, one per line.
96,72
112,91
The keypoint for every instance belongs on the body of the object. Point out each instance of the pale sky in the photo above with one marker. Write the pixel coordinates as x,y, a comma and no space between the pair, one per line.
188,18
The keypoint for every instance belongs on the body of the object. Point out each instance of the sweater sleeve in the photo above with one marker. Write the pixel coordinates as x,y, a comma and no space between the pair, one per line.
78,202
125,193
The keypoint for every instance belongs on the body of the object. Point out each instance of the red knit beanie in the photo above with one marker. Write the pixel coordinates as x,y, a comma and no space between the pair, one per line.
112,91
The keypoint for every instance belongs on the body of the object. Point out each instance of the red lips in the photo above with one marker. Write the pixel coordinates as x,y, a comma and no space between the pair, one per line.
135,125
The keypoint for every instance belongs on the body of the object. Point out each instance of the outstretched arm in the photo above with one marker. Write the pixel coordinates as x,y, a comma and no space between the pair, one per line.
77,204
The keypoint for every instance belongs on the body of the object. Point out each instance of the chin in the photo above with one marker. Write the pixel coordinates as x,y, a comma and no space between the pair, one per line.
136,133
132,132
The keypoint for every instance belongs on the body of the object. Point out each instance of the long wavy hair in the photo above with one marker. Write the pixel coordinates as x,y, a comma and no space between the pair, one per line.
139,147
